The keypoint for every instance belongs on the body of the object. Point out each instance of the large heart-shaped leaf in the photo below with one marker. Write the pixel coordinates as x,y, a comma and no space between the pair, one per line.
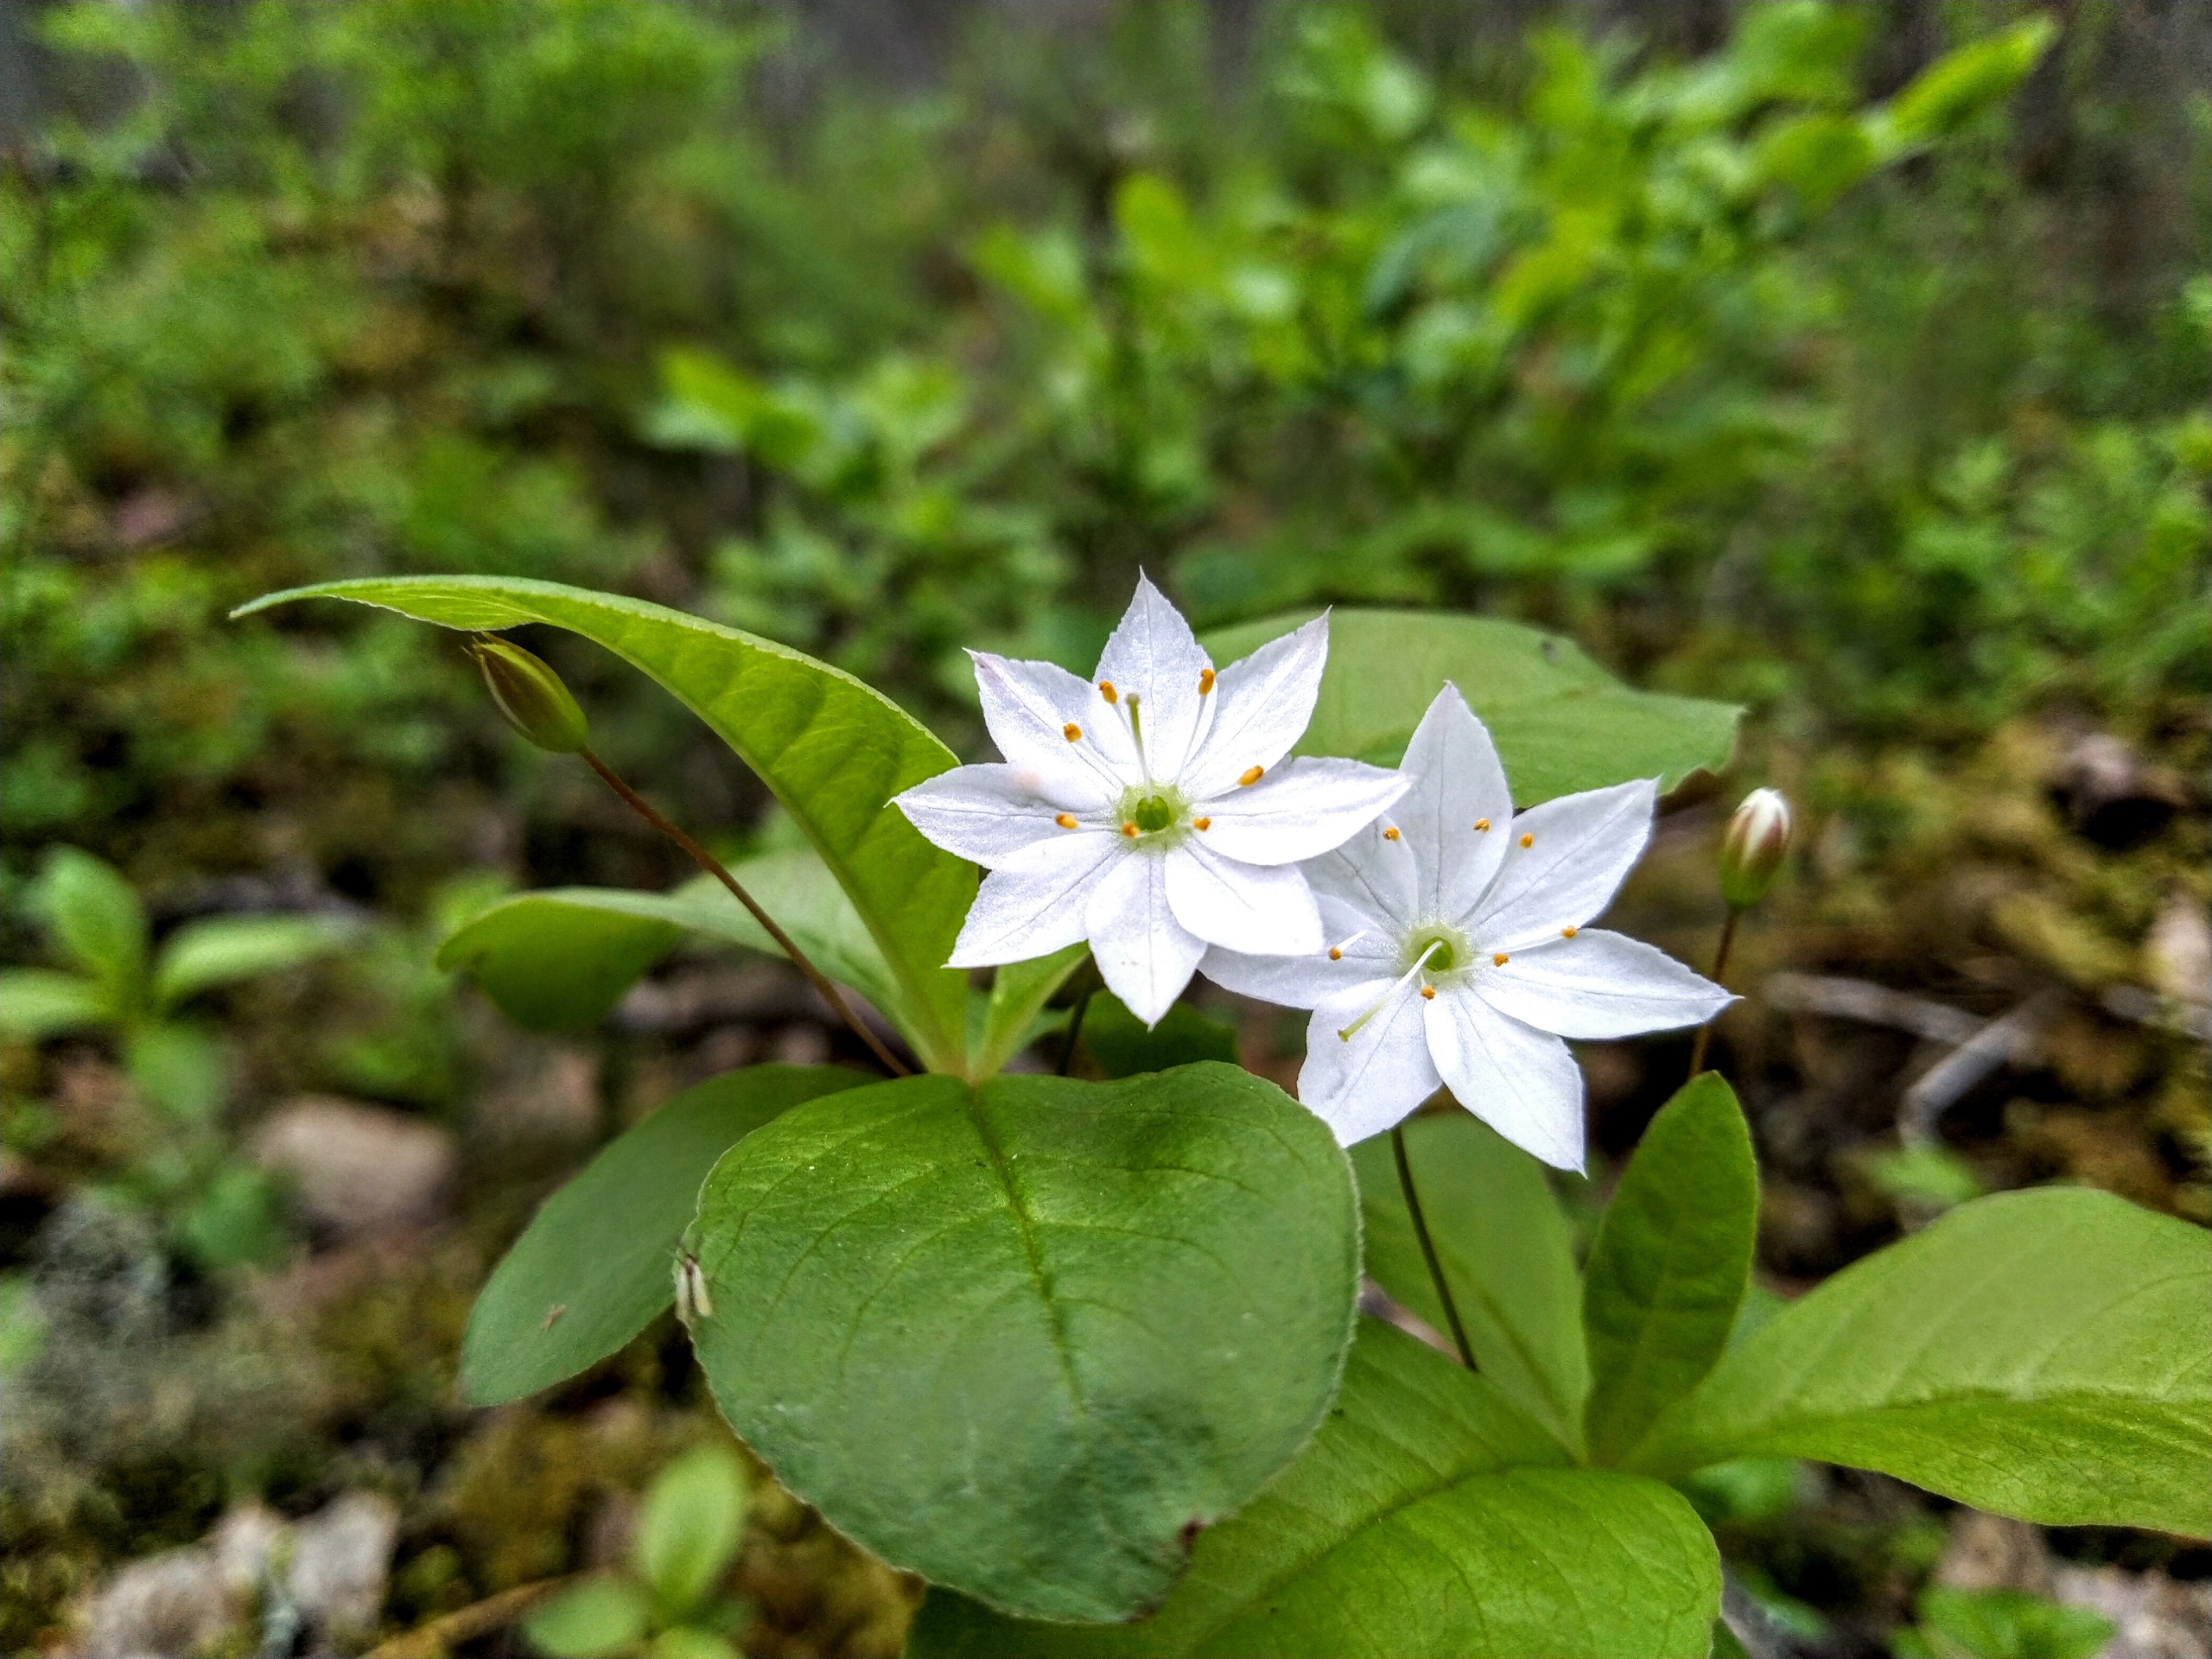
1027,1336
597,1264
1506,1252
1670,1263
2045,1354
560,959
832,750
1561,723
1422,1520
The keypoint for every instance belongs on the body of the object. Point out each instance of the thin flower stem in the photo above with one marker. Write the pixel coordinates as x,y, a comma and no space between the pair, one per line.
1719,967
1075,1030
713,866
1428,1250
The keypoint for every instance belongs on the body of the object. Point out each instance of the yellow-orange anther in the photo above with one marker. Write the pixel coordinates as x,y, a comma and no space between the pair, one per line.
1106,691
1130,831
1336,953
1566,932
1528,841
1391,833
1065,820
1201,823
1071,731
1428,992
1252,775
1500,960
1482,823
1205,681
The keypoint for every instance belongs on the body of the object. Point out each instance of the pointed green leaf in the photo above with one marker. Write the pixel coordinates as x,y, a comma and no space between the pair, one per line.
1420,1521
1025,1337
1019,993
1561,723
224,950
690,1527
36,1003
1506,1251
1670,1264
95,917
833,751
562,957
600,1616
2045,1354
596,1264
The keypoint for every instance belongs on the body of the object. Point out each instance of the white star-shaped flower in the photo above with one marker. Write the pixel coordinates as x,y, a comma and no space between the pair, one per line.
1461,954
1146,812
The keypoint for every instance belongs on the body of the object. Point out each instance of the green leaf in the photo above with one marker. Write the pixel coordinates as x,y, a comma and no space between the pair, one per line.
560,959
1670,1263
687,1642
2010,1624
36,1003
596,1264
690,1526
601,1615
95,917
1420,1521
1122,1046
223,949
1025,1337
2045,1354
237,1219
1561,723
1019,993
832,751
179,1068
1960,85
1506,1251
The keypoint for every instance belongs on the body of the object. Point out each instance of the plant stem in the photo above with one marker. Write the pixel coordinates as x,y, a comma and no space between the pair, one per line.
1428,1250
713,866
1719,967
1075,1030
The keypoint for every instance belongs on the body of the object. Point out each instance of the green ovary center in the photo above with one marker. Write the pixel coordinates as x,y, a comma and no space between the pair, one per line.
1443,958
1153,814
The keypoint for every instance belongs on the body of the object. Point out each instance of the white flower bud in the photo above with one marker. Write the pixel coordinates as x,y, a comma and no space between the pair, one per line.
1751,848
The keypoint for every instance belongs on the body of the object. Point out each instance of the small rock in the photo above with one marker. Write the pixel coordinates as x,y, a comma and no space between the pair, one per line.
554,1098
166,1604
2154,1616
1988,1552
2113,798
359,1170
2178,953
245,1541
797,1044
341,1563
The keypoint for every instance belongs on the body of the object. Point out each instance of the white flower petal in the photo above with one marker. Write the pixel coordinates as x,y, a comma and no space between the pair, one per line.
1368,951
1362,1084
1371,875
1458,784
1581,847
1034,903
1599,984
1153,655
988,813
1265,910
1260,705
1299,811
1144,954
1521,1081
1028,707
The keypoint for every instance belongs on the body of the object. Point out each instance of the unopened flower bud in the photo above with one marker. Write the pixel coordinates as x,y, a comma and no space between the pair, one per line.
1752,847
530,695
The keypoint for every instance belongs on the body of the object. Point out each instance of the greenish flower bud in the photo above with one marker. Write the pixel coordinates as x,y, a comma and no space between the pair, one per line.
1752,846
530,693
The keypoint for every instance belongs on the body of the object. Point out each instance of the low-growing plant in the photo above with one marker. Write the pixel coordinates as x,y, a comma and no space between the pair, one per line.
223,1211
1084,1354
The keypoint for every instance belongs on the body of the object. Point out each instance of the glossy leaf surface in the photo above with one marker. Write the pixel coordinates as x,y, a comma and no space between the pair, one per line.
1506,1251
596,1264
1427,1517
1561,723
1670,1263
1024,1338
833,751
2045,1354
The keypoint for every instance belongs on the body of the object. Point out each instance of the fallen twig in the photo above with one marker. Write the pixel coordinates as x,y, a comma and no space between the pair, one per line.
449,1630
1872,1005
2010,1037
2148,1008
